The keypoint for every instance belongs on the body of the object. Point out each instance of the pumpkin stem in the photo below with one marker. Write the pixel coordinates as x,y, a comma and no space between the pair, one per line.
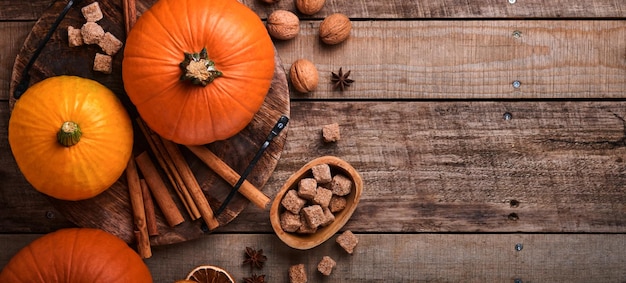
198,68
69,134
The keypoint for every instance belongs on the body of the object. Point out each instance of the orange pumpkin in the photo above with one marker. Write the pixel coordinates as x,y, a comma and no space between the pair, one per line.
76,255
71,137
198,70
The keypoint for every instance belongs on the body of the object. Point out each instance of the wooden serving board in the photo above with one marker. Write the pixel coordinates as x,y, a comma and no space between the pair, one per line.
111,210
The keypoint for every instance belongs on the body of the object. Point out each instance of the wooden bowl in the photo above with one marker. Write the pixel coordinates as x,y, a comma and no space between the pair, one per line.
308,241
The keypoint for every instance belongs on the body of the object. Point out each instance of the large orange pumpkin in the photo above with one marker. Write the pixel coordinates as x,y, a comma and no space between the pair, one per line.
77,255
71,137
198,70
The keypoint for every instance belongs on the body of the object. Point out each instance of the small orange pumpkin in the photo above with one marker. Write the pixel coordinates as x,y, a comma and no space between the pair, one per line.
198,70
71,137
76,255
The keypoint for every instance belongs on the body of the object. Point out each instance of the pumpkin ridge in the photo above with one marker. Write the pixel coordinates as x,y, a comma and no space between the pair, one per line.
248,47
204,17
238,99
166,92
178,118
91,165
218,107
158,94
34,258
169,13
72,252
240,104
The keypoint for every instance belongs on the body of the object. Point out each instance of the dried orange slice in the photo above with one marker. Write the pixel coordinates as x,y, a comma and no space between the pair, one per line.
210,274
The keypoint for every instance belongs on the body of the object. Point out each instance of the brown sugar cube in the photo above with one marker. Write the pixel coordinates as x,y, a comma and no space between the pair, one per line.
293,202
92,12
329,217
74,36
297,274
305,228
337,204
341,185
347,240
103,63
91,32
110,44
326,265
307,188
322,197
314,215
290,222
330,132
321,173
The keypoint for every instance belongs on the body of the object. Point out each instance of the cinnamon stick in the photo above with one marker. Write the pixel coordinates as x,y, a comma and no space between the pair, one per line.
159,190
139,216
143,250
130,14
191,183
148,205
247,189
168,166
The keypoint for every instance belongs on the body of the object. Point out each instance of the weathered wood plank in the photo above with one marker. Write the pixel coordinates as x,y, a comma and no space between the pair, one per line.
437,9
439,166
399,258
13,36
445,166
22,10
469,59
453,59
432,9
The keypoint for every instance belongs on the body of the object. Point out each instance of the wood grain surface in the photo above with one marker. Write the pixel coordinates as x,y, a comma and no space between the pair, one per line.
470,59
401,9
111,210
462,166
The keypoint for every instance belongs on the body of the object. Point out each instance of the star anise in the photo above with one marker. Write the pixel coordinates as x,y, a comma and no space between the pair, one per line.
254,258
341,80
255,279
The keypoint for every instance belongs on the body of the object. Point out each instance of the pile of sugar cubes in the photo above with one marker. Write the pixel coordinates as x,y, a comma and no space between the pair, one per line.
92,33
315,201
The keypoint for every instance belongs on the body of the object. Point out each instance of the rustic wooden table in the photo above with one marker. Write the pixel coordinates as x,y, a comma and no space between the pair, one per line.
490,135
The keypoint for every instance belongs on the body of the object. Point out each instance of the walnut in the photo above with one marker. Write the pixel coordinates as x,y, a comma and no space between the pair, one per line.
269,1
283,25
304,76
309,7
335,28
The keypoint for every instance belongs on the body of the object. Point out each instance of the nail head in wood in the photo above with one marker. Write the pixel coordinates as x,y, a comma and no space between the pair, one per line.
507,116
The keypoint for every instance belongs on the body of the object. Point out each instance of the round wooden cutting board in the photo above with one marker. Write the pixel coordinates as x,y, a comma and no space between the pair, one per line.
111,210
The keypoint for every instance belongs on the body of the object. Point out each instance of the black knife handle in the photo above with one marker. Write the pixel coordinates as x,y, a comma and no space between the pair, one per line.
278,127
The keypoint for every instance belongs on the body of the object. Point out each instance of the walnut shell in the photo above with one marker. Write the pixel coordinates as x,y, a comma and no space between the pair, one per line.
283,25
309,7
304,76
269,1
335,28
